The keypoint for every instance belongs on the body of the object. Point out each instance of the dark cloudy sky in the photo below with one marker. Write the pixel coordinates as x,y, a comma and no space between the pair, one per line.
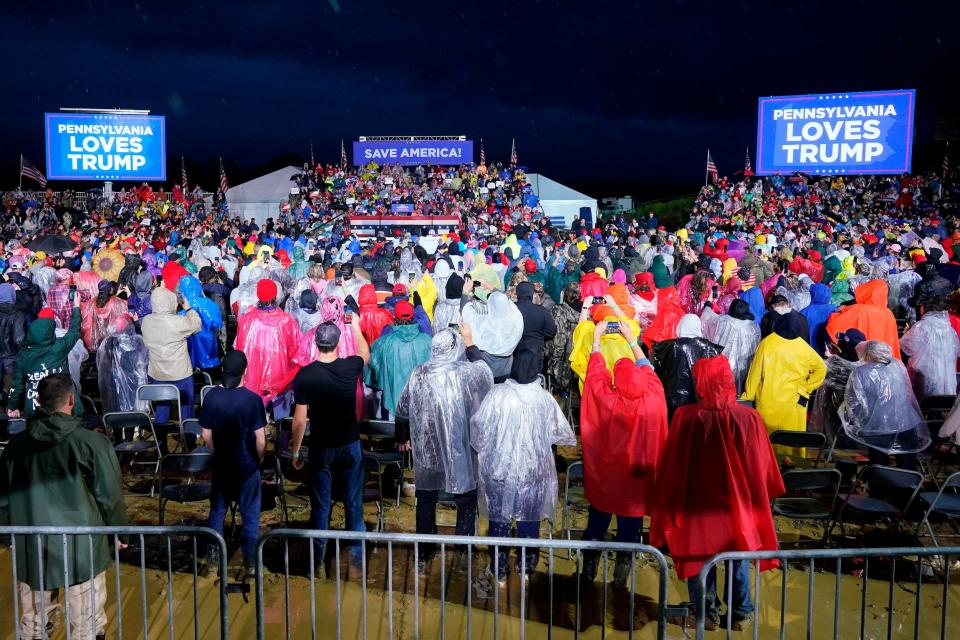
608,95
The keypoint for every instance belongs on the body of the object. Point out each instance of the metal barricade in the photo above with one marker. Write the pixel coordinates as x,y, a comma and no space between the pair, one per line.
458,599
144,576
897,610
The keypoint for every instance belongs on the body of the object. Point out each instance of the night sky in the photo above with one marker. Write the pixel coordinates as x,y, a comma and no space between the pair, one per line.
606,96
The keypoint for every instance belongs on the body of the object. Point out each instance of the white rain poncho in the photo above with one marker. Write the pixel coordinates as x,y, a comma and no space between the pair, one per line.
77,356
513,433
445,313
246,294
121,367
739,339
900,289
933,347
319,287
496,325
44,277
879,409
951,426
829,396
441,273
438,400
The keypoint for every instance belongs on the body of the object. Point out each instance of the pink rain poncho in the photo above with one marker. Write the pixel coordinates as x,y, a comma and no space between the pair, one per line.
270,339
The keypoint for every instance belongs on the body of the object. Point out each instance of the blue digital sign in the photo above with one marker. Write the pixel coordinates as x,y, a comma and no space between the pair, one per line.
837,133
413,152
93,146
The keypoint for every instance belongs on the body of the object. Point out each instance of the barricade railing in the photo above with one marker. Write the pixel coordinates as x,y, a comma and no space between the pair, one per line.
457,597
893,589
79,560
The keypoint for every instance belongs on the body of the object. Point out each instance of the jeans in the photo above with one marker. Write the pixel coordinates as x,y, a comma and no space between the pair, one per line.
525,529
628,531
427,515
342,467
6,371
162,411
739,600
247,496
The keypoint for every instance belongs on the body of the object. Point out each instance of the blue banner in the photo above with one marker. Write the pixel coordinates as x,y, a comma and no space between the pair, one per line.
94,146
868,132
401,208
413,152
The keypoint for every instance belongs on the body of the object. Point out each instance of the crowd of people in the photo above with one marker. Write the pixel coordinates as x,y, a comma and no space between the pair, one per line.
687,346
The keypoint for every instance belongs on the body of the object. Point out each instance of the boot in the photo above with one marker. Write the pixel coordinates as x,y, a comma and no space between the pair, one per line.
621,572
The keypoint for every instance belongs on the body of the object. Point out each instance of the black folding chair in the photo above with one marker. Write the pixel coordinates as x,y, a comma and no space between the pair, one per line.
123,428
373,485
176,482
879,480
272,493
944,503
803,488
382,433
800,440
573,499
935,410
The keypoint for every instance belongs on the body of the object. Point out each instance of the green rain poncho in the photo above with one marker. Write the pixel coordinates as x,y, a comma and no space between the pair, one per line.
300,266
393,358
840,292
661,277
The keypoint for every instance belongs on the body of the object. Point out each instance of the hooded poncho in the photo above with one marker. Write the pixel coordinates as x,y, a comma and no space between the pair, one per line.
723,445
623,425
270,339
513,433
933,347
121,367
438,400
204,345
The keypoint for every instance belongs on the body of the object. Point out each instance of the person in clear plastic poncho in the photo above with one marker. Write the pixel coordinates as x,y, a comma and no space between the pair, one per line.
933,347
879,409
737,333
513,433
121,367
437,403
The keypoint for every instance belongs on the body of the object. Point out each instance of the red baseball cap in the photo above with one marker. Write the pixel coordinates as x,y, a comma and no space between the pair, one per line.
403,310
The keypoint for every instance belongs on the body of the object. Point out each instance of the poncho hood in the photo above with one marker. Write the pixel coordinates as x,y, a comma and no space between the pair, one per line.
713,379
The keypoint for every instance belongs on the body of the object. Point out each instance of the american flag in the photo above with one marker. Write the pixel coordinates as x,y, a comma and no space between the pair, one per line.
343,156
747,167
711,168
513,151
483,156
223,180
946,160
183,176
29,171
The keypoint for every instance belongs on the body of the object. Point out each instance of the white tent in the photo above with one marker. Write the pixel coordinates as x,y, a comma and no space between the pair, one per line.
560,203
260,198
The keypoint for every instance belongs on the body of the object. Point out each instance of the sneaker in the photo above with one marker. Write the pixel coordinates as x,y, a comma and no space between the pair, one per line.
249,571
210,566
689,621
423,566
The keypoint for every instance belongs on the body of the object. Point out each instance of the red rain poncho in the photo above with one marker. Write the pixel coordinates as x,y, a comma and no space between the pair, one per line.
623,424
669,312
373,318
269,338
716,476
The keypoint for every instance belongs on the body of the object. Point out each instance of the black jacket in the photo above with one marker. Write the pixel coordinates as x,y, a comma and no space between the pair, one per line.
673,361
769,321
538,327
933,286
13,329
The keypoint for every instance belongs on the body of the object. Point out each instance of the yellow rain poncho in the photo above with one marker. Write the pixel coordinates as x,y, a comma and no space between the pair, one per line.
784,374
613,346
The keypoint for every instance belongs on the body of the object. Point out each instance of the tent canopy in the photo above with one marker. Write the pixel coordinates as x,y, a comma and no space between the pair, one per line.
561,203
260,198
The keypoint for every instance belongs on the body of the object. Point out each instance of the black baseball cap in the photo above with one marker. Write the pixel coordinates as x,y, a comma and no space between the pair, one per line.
234,366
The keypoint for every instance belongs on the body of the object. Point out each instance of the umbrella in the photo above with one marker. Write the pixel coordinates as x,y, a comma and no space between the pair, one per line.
52,245
107,264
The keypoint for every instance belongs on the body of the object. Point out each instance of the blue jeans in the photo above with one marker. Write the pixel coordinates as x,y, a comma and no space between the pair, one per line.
628,528
341,467
739,600
525,529
247,496
162,411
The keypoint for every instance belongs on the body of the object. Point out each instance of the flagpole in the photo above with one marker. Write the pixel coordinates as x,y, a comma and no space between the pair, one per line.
706,172
20,179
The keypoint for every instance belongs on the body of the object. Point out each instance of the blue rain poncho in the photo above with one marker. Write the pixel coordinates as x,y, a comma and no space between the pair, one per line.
204,345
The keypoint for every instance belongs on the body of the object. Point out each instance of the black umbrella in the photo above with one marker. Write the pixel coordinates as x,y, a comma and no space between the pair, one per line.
52,245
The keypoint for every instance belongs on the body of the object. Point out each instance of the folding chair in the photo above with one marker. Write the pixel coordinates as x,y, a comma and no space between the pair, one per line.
878,478
945,503
373,485
935,410
191,427
89,406
204,391
125,422
201,380
383,432
184,489
159,392
271,479
573,498
799,504
800,440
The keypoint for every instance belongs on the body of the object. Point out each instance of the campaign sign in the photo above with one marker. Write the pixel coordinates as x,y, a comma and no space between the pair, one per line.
401,208
868,132
413,152
94,146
